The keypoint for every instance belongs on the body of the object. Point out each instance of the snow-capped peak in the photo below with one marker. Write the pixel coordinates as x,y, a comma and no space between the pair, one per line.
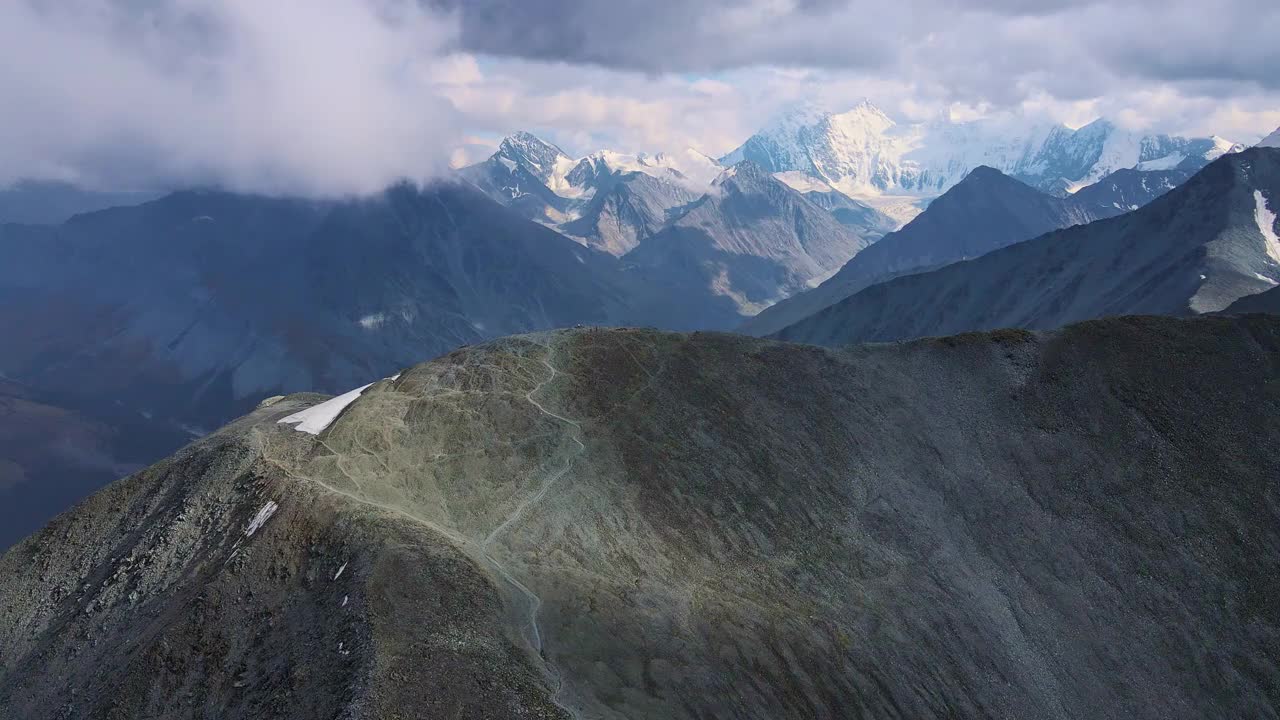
536,155
864,153
686,167
1272,140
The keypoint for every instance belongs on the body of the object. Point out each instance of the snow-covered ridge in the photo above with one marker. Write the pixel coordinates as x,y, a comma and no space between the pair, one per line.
574,178
1266,219
1272,140
865,153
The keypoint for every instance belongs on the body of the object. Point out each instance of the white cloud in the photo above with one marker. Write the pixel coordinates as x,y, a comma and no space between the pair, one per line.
328,96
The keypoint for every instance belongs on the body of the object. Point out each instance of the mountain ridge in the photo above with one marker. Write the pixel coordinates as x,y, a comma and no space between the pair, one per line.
731,527
985,211
1195,249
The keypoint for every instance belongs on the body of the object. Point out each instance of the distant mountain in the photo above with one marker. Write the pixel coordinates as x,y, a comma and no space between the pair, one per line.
49,203
864,153
646,207
986,211
1272,140
1129,189
850,212
519,176
541,182
1199,248
627,208
752,239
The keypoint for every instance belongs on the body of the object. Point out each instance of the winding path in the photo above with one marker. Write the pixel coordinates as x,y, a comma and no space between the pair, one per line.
532,633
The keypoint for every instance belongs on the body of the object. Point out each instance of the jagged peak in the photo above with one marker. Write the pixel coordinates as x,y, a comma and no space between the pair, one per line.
866,107
744,171
525,143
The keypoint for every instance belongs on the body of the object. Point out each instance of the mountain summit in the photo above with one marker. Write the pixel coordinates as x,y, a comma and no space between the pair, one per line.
542,159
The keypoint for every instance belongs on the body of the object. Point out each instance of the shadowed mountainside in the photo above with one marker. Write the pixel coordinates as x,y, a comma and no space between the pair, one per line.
192,308
1196,249
626,523
985,211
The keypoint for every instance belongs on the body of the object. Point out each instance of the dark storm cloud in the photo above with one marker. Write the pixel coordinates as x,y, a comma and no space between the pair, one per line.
1174,41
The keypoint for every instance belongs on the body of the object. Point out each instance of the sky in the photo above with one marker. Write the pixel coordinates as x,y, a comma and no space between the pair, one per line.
324,97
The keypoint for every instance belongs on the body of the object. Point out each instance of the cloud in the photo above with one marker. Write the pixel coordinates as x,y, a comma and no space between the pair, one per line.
997,41
319,97
344,96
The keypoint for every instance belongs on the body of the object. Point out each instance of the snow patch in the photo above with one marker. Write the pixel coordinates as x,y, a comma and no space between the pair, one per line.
1265,279
318,417
803,182
340,571
373,321
1266,219
1168,162
261,518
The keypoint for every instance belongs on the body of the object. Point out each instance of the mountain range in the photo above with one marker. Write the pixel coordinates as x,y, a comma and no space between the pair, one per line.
1197,249
164,319
985,211
634,524
865,154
